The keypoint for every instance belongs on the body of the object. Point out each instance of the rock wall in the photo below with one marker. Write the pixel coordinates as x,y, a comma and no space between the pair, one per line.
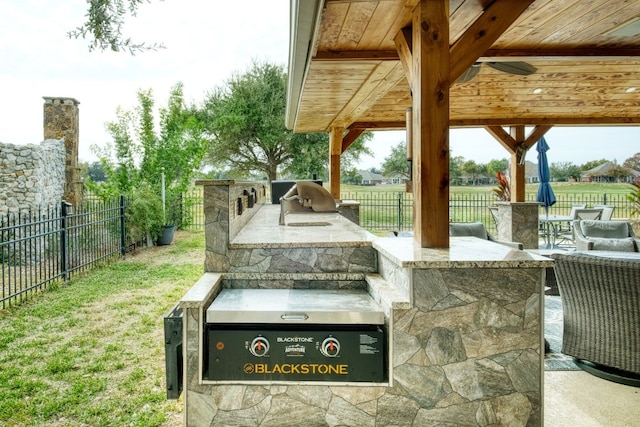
31,176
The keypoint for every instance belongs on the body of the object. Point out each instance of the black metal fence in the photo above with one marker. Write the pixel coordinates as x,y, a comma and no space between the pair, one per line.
383,211
41,247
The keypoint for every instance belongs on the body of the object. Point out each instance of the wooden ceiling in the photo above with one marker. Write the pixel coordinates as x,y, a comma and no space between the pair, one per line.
353,77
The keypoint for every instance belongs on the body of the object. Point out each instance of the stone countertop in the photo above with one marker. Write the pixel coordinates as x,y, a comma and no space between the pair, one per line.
300,230
202,291
464,252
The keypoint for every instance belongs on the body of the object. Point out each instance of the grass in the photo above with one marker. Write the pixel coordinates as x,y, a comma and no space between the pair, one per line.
92,352
559,188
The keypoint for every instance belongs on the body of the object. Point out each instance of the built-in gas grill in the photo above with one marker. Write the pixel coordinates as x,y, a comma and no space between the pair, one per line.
295,335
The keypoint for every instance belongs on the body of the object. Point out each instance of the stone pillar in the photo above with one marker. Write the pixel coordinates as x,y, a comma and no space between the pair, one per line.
61,121
518,222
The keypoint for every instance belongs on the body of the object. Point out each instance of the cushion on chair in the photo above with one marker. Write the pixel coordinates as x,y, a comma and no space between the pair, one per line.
619,245
608,229
473,229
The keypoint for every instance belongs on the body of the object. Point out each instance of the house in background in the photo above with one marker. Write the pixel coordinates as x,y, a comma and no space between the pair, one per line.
396,179
610,172
370,178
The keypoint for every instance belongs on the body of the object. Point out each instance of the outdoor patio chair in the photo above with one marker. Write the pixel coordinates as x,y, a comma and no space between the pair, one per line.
607,211
600,299
566,227
493,210
568,236
593,235
477,229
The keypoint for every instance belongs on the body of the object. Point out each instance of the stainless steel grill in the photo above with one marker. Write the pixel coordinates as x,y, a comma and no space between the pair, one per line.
295,335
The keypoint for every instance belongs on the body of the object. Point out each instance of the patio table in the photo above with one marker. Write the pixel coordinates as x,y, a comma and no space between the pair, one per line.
550,225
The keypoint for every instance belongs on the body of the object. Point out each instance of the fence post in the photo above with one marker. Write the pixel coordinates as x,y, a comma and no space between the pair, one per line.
123,232
64,261
399,212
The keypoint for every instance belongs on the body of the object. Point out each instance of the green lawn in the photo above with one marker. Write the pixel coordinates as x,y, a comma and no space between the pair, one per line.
92,353
559,188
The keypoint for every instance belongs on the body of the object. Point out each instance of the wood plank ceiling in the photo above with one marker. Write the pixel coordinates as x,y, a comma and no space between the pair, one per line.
584,75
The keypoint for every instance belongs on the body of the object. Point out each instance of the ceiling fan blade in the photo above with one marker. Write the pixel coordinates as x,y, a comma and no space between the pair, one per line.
517,68
469,74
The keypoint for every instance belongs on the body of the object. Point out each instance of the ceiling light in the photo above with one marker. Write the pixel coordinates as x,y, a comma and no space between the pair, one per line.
630,89
537,91
629,28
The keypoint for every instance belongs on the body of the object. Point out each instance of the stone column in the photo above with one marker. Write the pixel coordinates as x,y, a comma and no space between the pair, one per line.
518,222
61,121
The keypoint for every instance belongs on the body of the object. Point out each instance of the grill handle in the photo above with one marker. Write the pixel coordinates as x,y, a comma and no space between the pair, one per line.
294,317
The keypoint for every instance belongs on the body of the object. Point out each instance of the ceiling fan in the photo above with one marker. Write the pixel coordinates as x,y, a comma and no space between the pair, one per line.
516,67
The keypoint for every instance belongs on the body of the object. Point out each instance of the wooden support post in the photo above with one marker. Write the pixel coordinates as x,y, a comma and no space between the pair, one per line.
430,66
335,150
517,169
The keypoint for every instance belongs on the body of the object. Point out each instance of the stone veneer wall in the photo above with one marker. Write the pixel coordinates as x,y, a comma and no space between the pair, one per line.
31,176
518,222
226,211
468,351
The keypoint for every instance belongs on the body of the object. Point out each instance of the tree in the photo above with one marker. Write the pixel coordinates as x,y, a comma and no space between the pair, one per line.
95,171
245,124
396,164
620,173
474,170
135,163
563,171
494,166
455,168
633,162
103,27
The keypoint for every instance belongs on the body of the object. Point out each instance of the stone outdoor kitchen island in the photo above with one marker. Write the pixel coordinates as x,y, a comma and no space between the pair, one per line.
463,325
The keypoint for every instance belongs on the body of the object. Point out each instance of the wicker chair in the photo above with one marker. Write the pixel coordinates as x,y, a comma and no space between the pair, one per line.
600,294
477,229
593,235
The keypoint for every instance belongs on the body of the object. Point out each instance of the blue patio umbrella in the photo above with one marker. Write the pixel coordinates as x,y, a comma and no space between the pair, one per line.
545,192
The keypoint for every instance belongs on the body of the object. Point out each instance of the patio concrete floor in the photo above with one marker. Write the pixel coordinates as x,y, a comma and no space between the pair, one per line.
577,398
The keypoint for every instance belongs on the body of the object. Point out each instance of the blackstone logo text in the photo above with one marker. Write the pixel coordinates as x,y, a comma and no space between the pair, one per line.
296,368
294,339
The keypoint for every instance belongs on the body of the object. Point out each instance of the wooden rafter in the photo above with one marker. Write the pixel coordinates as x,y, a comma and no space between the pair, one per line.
350,137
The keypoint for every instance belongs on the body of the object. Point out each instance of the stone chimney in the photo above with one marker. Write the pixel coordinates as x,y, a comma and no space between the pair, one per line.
61,120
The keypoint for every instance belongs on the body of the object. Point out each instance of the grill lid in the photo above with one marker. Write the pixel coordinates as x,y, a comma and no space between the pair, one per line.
295,306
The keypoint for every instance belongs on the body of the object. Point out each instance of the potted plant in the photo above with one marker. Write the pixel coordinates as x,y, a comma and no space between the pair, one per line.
144,214
168,227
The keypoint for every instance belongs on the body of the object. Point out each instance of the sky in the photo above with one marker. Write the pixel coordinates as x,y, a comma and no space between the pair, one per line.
206,42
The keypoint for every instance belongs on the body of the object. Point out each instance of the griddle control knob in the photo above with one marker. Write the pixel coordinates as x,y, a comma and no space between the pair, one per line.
259,346
330,347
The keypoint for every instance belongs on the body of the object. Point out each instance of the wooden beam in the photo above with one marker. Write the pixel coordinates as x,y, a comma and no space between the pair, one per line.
350,137
503,137
335,149
430,83
595,53
383,78
562,54
510,143
356,55
517,146
484,31
517,169
403,41
567,121
535,135
379,125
